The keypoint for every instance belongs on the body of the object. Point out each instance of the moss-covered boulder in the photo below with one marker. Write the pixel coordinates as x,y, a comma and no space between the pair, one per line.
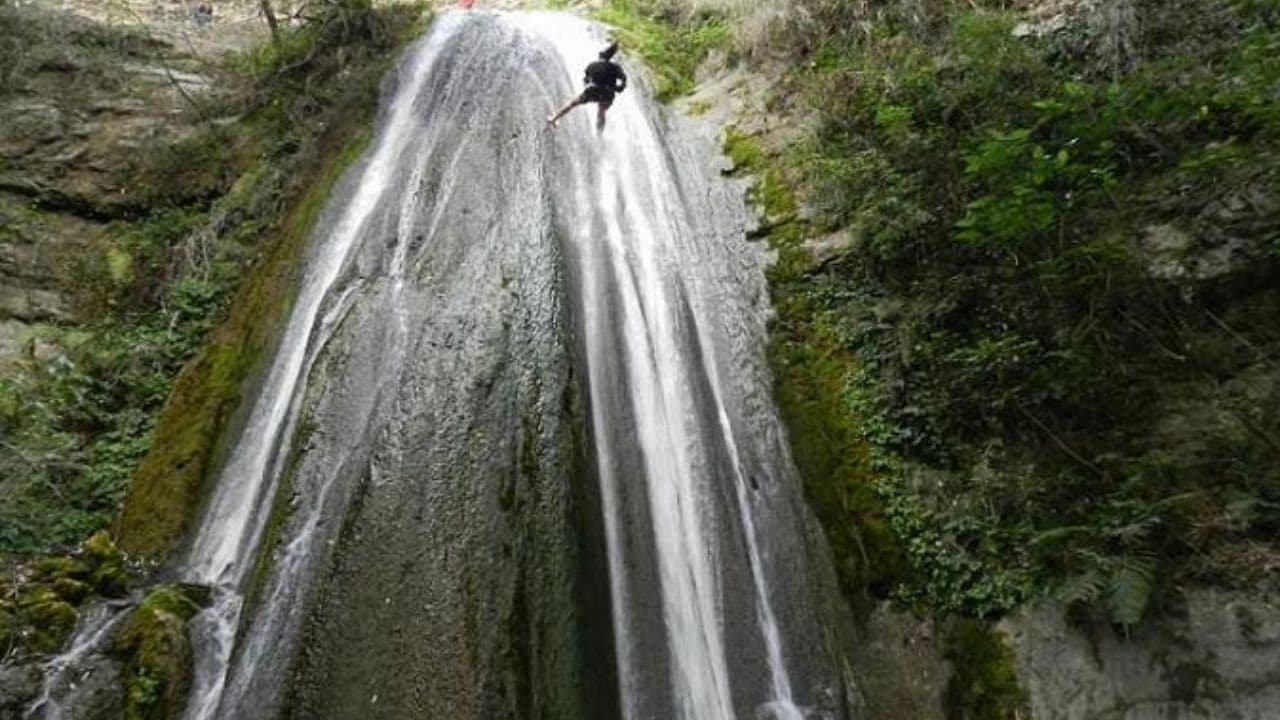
50,569
157,653
108,576
71,590
47,624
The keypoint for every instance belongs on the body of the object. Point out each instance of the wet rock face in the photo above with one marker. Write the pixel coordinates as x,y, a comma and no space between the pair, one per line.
1221,661
19,685
429,560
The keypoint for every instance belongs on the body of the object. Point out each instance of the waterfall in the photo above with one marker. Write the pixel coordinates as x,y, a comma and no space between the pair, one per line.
516,454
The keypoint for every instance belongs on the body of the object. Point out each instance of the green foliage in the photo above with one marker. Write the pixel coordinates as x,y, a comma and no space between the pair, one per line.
78,426
672,42
1005,352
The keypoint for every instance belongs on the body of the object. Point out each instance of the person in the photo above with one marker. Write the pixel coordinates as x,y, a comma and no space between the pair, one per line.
604,78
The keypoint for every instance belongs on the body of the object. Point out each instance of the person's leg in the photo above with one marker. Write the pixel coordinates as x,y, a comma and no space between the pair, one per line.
563,111
604,108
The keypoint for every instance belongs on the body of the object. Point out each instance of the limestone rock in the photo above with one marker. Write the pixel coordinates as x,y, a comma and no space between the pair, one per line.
831,247
1221,661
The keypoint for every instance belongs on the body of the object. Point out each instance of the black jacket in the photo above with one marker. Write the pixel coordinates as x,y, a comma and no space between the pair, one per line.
606,74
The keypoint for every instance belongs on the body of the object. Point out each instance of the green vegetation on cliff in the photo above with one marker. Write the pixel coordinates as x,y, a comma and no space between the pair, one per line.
671,39
1053,320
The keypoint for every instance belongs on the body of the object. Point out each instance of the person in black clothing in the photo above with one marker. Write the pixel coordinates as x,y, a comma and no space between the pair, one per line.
604,79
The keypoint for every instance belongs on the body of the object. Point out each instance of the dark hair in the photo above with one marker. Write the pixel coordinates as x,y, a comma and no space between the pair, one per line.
607,53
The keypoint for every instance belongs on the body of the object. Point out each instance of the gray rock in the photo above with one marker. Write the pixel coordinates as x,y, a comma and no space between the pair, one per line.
831,247
899,666
15,340
19,685
1222,661
1164,249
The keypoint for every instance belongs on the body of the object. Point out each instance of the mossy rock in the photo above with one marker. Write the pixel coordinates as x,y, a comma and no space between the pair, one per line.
834,460
108,578
110,581
49,624
984,680
100,549
36,594
51,569
184,601
70,590
157,653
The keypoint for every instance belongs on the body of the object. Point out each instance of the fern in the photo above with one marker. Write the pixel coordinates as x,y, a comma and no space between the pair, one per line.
1129,588
1057,535
1083,588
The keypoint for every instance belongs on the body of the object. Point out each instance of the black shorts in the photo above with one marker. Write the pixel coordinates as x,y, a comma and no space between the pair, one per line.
597,94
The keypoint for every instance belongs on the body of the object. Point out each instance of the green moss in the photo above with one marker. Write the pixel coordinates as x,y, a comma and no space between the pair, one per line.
157,653
810,369
698,108
165,492
833,458
774,196
984,680
672,45
108,577
48,624
744,150
49,569
338,71
72,591
100,549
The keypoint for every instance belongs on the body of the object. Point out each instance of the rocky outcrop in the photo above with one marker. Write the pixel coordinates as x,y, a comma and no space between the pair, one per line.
1218,658
86,108
40,254
96,123
1221,660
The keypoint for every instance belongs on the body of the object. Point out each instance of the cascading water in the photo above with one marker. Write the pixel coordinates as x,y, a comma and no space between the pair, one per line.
516,455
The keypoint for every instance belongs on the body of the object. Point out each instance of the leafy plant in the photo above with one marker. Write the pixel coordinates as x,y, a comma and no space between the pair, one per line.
1000,326
672,43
